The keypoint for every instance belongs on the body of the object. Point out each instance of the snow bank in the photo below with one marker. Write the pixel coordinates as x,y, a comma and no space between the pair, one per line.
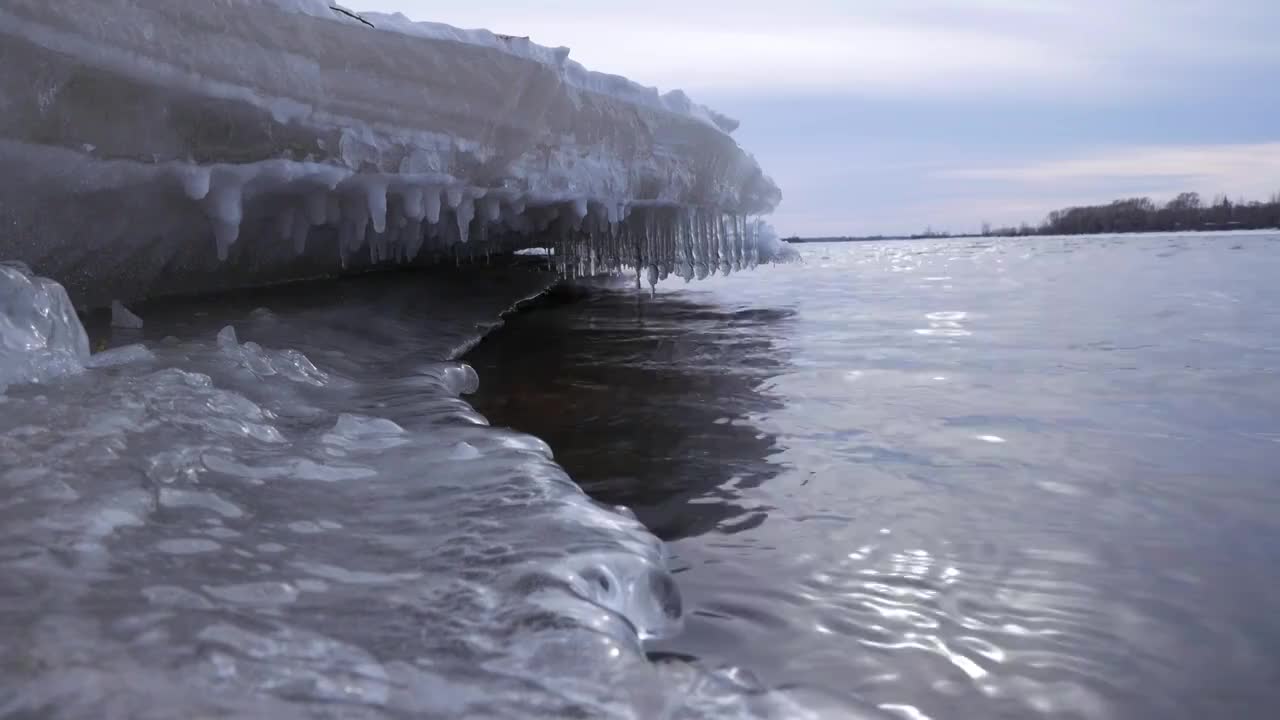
158,147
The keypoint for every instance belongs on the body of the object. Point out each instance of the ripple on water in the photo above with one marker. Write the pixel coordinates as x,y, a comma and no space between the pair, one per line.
260,594
177,597
187,546
945,324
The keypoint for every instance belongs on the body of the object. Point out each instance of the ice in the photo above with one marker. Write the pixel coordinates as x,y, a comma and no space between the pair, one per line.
262,363
245,115
121,317
183,541
40,335
161,501
431,204
122,355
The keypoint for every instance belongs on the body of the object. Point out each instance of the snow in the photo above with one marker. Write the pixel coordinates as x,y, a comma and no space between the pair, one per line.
201,146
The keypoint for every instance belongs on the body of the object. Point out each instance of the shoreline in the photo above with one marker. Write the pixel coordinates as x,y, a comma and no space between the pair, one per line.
1033,236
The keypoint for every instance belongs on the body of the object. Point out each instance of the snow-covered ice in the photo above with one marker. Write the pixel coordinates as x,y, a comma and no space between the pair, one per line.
158,147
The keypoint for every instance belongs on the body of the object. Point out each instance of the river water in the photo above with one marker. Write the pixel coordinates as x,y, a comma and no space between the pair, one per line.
947,479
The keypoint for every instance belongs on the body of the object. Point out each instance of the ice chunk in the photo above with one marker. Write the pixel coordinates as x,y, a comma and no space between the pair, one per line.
265,363
121,317
40,335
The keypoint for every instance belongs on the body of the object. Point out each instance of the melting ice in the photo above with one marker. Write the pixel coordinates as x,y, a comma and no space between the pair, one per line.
289,511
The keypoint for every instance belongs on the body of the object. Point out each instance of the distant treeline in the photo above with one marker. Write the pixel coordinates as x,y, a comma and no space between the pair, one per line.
1185,212
872,238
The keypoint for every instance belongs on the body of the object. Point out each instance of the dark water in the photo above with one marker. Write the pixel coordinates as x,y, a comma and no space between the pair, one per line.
951,479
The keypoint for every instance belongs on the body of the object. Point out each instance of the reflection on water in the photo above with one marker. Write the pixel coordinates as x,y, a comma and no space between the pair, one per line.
648,403
948,478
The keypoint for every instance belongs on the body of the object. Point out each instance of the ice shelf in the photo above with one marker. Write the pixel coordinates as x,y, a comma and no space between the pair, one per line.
154,147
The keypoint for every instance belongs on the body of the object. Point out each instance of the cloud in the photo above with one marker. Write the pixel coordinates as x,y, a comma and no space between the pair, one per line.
1081,49
863,59
1249,169
882,116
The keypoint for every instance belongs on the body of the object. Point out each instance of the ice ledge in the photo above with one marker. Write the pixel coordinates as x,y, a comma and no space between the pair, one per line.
157,147
675,101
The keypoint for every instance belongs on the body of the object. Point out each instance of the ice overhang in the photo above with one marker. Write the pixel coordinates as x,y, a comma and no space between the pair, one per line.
156,147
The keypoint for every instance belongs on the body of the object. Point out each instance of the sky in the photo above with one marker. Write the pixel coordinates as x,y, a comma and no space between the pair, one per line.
897,115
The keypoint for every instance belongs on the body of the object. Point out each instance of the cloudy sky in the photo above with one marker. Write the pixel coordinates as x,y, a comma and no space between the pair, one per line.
894,115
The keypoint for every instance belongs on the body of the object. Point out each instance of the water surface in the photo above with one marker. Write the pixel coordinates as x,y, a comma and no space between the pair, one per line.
946,479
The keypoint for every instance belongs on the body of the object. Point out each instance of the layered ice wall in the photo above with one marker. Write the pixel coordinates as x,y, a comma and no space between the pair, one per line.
154,147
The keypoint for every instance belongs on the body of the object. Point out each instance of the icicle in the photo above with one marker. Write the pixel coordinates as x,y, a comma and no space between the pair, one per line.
300,232
414,208
333,209
431,201
195,181
316,206
466,212
284,223
225,209
453,196
376,197
725,260
413,239
344,242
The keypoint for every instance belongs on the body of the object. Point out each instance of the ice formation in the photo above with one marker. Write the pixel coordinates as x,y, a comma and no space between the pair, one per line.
40,335
156,147
213,527
122,317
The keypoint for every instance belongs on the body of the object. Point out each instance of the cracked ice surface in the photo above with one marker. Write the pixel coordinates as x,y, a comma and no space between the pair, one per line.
157,147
